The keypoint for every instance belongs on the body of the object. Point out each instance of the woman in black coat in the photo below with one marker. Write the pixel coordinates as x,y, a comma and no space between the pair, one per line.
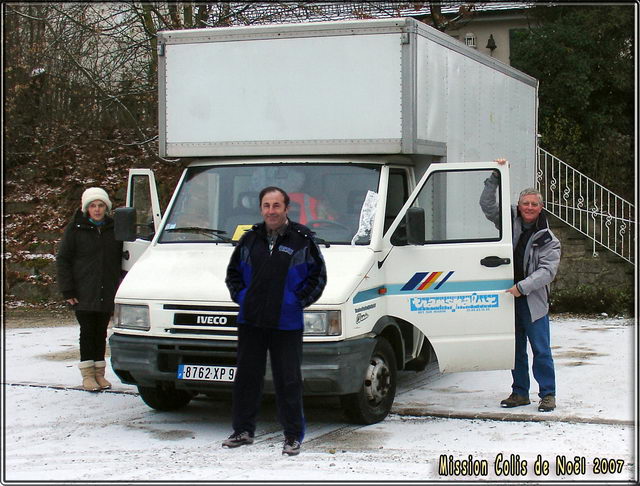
89,272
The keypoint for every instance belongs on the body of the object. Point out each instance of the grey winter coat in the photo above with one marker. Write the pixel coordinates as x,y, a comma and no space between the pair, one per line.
89,264
541,255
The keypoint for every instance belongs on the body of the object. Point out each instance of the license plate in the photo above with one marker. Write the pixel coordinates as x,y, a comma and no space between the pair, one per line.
206,373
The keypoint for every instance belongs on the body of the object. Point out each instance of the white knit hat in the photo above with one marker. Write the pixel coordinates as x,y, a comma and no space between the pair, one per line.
94,194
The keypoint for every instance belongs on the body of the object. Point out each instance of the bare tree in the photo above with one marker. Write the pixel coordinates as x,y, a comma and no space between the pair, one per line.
462,13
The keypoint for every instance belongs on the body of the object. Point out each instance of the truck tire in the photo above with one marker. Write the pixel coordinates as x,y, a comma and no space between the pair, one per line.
163,399
374,400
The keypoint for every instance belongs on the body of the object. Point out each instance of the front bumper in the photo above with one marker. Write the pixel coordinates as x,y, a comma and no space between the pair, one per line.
333,368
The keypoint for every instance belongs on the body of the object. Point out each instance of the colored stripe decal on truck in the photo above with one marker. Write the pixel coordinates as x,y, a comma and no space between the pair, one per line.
450,288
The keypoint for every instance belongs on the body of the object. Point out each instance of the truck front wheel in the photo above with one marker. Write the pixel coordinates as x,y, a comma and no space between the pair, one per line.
374,400
164,400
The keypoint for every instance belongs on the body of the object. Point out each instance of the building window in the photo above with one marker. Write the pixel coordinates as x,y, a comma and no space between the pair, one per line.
470,39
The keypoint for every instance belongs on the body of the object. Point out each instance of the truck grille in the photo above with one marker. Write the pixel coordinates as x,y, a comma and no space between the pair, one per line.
203,320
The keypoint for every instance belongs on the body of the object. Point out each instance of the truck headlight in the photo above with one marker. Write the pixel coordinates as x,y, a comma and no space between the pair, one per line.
132,317
326,323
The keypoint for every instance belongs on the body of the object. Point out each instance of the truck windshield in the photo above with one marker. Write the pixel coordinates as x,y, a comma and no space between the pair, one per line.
217,204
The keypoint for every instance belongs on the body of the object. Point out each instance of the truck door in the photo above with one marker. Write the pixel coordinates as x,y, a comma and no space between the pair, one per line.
452,285
142,195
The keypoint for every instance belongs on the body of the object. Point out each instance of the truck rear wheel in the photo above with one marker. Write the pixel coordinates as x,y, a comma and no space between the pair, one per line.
163,399
374,400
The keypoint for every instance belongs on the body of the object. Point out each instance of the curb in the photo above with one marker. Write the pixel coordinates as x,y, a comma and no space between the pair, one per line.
119,391
507,417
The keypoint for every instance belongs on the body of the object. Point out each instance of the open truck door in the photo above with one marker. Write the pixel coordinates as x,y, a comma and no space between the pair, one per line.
139,221
448,265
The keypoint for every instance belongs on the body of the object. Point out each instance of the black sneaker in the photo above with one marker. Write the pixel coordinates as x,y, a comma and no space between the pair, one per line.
238,439
291,447
547,404
515,400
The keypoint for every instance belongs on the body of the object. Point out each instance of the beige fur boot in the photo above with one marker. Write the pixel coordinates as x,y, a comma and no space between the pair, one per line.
100,369
88,372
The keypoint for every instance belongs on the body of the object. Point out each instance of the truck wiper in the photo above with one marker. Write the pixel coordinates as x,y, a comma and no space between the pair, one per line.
203,231
320,241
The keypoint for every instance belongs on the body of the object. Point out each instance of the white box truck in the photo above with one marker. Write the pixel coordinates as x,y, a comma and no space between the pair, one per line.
377,129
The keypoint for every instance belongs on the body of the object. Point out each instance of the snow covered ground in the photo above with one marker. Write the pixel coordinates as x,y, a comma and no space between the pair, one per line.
53,432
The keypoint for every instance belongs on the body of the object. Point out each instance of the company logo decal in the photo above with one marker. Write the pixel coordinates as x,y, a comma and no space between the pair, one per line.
425,280
361,315
286,249
204,320
212,320
469,303
365,308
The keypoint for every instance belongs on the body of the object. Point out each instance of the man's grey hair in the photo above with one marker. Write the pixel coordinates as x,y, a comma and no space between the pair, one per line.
530,191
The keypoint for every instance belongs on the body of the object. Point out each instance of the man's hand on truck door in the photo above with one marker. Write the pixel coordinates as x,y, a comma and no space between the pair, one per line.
501,161
514,291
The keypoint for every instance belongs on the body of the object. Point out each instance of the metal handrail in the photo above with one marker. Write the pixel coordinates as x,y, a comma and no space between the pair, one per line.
596,212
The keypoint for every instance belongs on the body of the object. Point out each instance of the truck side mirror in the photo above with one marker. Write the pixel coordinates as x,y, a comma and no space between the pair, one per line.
125,224
415,226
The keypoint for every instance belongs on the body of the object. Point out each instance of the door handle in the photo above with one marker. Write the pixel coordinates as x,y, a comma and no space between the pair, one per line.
125,254
494,261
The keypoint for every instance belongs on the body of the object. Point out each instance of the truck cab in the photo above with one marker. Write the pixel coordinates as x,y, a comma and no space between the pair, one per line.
415,273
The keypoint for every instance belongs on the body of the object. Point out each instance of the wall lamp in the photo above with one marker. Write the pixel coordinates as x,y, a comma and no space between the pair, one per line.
491,44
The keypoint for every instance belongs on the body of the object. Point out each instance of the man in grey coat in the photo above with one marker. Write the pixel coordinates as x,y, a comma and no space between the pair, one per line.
536,257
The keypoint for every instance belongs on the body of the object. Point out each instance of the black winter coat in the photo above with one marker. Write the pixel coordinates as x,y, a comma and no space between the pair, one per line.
89,264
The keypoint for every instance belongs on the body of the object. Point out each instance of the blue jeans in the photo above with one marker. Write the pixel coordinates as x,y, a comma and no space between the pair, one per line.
537,333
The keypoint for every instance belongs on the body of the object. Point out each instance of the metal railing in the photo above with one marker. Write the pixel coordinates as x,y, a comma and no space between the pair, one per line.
593,210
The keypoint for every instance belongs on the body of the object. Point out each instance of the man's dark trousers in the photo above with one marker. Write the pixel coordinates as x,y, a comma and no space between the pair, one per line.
285,351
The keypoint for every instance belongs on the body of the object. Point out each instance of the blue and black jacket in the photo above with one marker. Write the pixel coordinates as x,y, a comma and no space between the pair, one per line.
273,287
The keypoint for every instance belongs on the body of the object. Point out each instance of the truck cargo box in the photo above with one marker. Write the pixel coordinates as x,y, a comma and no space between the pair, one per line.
393,86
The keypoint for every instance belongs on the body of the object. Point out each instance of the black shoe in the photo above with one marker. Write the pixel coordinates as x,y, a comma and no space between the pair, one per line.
547,404
515,400
291,447
238,439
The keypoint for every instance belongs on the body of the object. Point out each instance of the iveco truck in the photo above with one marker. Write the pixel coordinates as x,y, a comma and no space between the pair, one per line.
383,133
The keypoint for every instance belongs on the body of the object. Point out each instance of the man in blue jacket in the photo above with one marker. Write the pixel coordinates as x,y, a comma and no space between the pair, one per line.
536,257
275,272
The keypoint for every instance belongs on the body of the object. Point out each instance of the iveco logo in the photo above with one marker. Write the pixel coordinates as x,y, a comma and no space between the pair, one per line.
214,320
